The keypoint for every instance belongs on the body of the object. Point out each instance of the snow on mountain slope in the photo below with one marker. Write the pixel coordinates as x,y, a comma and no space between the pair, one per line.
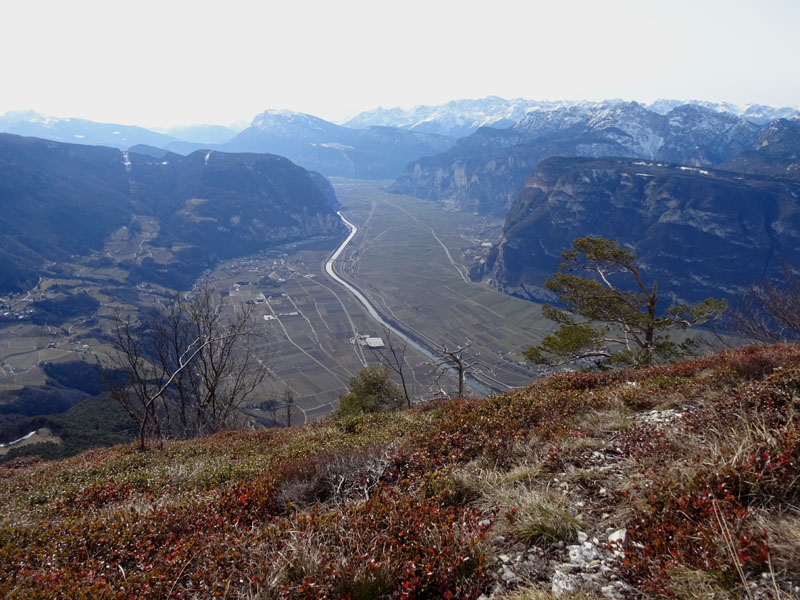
459,118
759,114
80,131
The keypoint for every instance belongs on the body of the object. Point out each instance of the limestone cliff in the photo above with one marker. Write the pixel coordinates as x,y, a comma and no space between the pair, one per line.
698,231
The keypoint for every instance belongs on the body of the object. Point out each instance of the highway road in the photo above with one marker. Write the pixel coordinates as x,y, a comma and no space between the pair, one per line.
484,388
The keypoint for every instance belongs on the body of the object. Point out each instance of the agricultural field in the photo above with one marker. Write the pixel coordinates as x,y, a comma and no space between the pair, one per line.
412,259
409,258
312,329
65,318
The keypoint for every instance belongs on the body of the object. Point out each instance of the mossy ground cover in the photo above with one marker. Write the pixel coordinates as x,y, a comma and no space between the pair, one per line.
699,462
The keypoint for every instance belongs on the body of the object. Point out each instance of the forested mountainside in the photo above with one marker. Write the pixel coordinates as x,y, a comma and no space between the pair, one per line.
700,232
60,200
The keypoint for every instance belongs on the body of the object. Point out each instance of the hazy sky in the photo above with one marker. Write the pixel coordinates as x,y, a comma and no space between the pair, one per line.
157,63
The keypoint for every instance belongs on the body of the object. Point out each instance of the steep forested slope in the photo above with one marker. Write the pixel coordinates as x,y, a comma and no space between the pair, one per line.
59,200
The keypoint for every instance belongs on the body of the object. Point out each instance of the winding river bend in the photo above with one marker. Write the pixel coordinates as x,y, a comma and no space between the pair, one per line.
393,326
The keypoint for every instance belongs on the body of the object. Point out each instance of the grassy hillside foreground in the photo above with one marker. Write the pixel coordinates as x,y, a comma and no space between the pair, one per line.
681,480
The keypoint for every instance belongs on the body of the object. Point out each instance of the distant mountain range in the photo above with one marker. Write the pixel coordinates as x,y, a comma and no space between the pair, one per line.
371,153
776,152
485,171
460,118
114,135
59,200
80,131
376,144
203,134
700,232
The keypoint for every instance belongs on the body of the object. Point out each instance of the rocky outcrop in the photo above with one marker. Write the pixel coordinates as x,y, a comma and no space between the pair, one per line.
698,231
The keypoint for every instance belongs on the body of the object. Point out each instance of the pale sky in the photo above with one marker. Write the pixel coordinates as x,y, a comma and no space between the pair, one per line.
165,62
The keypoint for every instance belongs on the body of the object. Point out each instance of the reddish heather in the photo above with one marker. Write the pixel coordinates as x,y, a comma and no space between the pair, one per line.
700,464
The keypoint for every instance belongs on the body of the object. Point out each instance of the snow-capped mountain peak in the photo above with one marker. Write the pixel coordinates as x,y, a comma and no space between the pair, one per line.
459,118
759,114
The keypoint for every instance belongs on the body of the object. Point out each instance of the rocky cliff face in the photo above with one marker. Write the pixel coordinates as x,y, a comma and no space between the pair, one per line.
698,231
486,170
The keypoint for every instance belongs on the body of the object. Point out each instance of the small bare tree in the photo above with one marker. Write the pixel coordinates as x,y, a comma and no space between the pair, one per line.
770,312
185,370
393,356
289,404
454,359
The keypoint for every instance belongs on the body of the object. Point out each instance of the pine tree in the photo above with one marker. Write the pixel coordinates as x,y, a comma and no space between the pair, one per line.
611,313
371,391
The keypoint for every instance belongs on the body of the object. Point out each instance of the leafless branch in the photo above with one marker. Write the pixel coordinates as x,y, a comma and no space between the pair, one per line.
187,369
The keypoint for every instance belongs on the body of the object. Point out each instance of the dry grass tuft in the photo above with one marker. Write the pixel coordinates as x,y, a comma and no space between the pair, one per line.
536,517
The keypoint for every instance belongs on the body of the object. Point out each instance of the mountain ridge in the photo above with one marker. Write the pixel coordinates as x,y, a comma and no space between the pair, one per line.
62,199
700,232
80,131
459,118
485,171
375,152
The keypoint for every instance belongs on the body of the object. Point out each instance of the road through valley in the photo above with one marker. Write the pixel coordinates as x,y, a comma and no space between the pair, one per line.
393,326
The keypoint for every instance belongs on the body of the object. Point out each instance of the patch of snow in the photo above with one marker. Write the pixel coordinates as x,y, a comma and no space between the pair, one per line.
208,155
78,135
126,161
335,145
694,169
